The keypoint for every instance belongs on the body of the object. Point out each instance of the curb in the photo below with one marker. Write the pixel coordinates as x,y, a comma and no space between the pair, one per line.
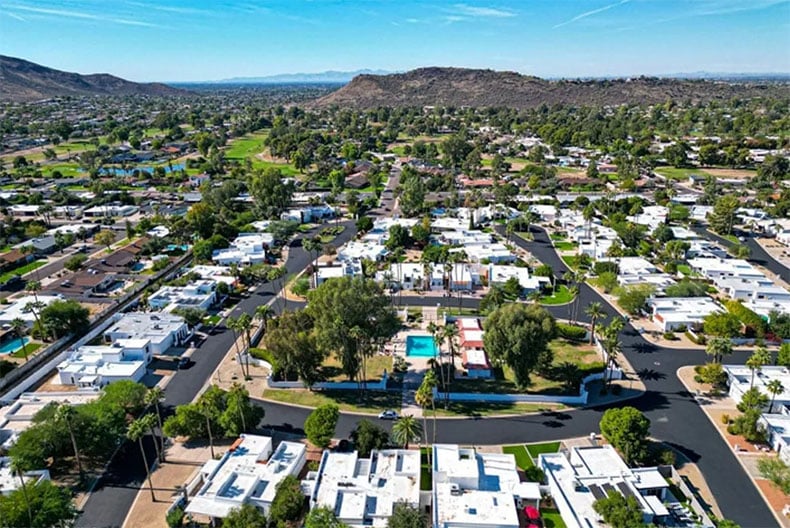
779,519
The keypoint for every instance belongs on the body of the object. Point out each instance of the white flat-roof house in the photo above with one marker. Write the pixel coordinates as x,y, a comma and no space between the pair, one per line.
215,273
715,268
97,366
472,489
499,275
362,251
777,432
201,294
246,249
675,312
21,308
363,491
739,380
246,474
110,210
161,330
752,289
10,480
588,474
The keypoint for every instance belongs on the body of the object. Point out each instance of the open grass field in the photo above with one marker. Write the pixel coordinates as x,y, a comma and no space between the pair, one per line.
376,365
247,146
582,355
475,409
565,246
680,173
372,402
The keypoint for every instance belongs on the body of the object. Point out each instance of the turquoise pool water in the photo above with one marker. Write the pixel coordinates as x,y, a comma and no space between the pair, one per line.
12,346
421,346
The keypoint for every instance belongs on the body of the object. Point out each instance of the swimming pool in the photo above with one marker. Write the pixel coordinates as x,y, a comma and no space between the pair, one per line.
421,346
13,345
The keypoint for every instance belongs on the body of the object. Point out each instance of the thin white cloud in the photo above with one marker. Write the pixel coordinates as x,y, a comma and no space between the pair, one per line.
451,19
15,16
170,9
726,7
80,15
477,11
590,13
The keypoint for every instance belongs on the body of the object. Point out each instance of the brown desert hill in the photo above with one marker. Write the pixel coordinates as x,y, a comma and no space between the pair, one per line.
488,88
22,80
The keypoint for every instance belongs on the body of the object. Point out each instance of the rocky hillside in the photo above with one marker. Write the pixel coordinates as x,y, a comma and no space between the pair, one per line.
21,80
482,88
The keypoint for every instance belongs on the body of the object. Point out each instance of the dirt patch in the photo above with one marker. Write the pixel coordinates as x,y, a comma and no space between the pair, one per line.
732,173
773,495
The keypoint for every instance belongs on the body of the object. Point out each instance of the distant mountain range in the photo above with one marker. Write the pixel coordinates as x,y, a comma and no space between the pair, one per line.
326,77
22,80
487,88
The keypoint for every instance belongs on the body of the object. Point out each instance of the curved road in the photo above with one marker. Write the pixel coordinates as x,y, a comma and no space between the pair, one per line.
674,413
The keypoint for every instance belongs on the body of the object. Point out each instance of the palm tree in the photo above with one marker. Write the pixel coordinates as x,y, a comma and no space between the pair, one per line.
406,430
277,275
65,414
234,324
17,468
435,332
429,381
718,347
205,407
245,324
450,333
154,397
136,431
35,308
774,387
19,328
760,357
264,313
33,287
314,247
594,311
424,397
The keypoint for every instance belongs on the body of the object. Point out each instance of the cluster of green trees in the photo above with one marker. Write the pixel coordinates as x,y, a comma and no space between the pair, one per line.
216,413
347,317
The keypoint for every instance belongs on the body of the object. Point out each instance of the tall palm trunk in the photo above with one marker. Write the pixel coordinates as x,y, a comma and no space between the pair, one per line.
210,436
162,438
148,469
156,444
74,447
23,486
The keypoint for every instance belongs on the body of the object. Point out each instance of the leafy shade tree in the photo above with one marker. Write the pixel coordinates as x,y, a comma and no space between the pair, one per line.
105,238
288,503
47,504
406,430
291,339
518,335
627,430
364,224
723,216
245,516
350,314
64,317
270,192
633,299
405,516
239,415
718,347
721,324
322,517
65,414
192,315
368,436
320,425
126,394
619,512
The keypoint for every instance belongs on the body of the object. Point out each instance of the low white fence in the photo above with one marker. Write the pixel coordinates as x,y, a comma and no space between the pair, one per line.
580,399
329,385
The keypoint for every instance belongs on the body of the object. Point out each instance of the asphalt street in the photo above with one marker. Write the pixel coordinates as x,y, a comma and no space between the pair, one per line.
675,415
114,494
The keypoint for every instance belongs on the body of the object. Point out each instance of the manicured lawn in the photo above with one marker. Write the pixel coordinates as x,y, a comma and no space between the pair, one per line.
565,246
582,355
536,449
348,400
67,170
558,236
30,348
211,320
685,269
376,365
551,518
426,473
572,261
27,268
490,408
562,295
679,173
523,459
285,168
246,146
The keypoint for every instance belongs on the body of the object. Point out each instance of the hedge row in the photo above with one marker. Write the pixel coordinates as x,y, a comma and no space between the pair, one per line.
571,332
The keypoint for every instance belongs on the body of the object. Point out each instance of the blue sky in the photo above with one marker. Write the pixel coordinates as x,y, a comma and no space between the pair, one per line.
185,40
